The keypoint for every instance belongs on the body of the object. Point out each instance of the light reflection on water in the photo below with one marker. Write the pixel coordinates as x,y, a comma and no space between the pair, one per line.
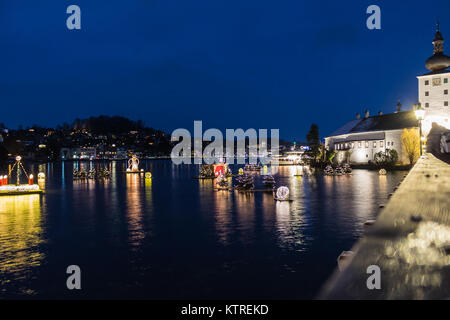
20,236
173,236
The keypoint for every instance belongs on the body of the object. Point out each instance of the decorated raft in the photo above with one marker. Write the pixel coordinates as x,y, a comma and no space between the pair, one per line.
9,189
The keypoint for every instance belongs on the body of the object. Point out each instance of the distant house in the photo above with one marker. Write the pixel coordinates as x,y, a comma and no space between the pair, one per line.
83,153
359,140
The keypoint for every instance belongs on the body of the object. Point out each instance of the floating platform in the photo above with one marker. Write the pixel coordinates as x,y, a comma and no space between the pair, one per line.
17,190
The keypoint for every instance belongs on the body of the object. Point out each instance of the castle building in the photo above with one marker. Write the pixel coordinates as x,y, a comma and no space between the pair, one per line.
360,139
434,87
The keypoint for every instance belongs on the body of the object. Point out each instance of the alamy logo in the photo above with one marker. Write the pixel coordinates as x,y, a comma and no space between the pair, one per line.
74,280
256,150
374,21
74,20
374,281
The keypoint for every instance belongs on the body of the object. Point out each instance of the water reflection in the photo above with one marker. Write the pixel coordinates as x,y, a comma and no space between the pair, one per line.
21,231
245,215
134,210
167,220
224,220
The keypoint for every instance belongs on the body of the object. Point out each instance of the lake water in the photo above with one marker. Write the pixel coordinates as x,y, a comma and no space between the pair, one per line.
175,237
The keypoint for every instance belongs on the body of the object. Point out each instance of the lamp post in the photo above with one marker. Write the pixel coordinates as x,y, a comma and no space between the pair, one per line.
420,114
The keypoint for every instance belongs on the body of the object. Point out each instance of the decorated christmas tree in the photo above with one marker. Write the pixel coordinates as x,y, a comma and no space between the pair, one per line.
207,171
222,181
329,171
339,171
347,168
244,182
228,172
269,181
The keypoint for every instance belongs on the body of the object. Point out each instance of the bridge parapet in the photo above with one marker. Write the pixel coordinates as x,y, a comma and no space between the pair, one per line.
410,242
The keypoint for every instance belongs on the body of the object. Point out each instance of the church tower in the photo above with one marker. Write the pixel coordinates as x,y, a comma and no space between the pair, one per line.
434,86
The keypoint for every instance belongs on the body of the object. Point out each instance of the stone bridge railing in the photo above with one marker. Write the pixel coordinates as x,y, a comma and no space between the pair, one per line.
410,243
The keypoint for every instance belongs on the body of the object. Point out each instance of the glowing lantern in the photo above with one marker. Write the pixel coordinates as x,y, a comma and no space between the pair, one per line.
241,171
382,172
30,180
282,193
148,175
41,175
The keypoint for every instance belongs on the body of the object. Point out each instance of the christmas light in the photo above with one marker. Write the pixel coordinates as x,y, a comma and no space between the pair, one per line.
282,194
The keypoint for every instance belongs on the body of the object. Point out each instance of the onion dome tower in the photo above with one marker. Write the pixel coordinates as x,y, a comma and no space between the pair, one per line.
439,61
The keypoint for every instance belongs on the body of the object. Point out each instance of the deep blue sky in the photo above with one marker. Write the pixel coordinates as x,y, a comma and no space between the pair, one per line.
231,63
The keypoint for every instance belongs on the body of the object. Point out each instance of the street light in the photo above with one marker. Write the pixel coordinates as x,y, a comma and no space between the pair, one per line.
420,114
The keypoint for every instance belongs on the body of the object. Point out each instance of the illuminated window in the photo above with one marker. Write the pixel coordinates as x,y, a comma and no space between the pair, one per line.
427,93
381,144
367,144
360,144
374,144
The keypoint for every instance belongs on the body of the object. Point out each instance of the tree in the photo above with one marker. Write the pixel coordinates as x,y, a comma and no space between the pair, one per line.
386,159
411,144
244,182
315,152
313,135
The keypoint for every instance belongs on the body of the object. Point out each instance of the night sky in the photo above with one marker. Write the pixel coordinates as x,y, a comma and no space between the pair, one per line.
233,64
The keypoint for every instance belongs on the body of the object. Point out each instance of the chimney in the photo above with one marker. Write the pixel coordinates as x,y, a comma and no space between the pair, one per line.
380,113
399,107
358,116
367,114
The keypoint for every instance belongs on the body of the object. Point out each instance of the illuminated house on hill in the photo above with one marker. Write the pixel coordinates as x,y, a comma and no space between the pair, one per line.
359,140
